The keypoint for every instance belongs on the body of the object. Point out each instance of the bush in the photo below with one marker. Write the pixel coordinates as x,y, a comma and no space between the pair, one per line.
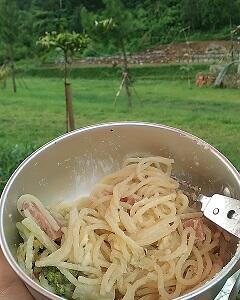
89,52
10,158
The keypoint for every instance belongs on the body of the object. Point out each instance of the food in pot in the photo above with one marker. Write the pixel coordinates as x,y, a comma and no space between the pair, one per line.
134,237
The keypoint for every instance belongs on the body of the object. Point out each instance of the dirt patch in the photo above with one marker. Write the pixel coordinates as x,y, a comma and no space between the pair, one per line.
193,52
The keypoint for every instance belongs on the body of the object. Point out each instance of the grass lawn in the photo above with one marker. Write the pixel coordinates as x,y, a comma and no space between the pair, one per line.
36,115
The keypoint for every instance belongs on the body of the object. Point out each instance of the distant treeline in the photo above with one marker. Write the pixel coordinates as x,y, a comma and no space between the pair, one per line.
158,21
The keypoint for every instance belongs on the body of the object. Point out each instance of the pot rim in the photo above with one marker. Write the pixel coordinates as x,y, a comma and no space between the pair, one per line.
37,287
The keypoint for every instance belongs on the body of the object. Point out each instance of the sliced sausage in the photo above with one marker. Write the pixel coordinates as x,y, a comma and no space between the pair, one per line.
28,205
197,225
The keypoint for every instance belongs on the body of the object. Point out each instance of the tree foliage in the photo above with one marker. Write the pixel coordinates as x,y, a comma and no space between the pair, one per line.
69,43
210,14
9,22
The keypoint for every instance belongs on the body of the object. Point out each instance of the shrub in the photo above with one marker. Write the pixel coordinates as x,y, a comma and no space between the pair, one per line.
10,158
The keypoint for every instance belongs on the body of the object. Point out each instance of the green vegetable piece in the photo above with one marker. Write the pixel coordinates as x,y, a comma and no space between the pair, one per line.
59,282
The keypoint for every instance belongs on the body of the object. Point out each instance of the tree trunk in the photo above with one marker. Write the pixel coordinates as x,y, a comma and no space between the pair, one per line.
66,103
70,125
126,74
69,107
65,90
12,69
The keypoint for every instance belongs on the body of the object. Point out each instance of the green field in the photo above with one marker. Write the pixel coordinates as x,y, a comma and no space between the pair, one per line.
36,114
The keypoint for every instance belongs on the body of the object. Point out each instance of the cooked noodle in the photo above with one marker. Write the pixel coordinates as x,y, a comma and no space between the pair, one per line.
135,236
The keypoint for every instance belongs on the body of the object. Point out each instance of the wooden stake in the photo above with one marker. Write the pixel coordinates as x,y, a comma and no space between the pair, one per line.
126,74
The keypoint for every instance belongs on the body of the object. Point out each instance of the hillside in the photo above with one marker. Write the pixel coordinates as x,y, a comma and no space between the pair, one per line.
142,24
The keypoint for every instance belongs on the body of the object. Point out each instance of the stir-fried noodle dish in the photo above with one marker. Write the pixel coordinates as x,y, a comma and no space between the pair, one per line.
135,236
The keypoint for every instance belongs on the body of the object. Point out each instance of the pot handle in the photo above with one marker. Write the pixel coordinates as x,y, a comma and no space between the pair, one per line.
235,290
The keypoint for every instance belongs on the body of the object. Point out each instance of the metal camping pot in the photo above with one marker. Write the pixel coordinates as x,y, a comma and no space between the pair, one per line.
68,166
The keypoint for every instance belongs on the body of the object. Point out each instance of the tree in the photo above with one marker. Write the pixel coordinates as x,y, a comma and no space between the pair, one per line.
69,43
210,14
9,16
114,24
